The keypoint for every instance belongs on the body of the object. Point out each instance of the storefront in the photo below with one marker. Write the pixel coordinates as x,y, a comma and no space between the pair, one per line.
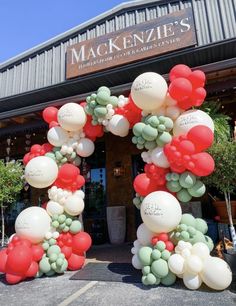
111,50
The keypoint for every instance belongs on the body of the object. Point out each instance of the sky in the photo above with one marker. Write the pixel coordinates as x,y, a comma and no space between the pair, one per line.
27,23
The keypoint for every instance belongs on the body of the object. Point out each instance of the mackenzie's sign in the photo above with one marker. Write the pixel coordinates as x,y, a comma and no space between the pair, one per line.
157,36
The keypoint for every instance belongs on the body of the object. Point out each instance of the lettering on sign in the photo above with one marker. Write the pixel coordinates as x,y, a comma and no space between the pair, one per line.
148,39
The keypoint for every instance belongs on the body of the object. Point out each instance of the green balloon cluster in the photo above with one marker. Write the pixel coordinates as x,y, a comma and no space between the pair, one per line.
186,185
65,223
153,131
137,200
52,262
192,230
61,159
155,265
97,104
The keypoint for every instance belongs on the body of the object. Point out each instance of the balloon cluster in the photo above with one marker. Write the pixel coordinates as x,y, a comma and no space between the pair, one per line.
187,86
61,158
65,223
37,150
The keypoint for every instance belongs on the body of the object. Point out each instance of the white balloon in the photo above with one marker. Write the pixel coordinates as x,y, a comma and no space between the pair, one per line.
137,244
161,212
74,205
159,159
189,119
57,136
136,262
119,125
192,281
169,101
216,274
173,112
176,264
41,172
54,208
201,250
194,264
33,223
149,90
85,147
144,235
71,117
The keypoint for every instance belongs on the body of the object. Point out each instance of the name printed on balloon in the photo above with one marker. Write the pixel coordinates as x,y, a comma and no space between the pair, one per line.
35,173
22,224
67,113
153,209
188,120
143,84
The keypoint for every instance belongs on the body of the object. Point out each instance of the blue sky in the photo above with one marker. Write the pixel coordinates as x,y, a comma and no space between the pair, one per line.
27,23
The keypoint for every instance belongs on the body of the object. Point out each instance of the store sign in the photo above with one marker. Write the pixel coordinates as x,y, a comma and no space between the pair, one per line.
148,39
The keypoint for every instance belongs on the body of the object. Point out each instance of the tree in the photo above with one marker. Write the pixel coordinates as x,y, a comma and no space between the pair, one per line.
11,183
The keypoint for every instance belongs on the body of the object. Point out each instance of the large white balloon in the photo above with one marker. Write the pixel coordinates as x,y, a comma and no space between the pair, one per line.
216,274
159,159
144,235
176,264
194,264
41,172
118,125
189,119
33,223
74,205
54,208
57,136
161,212
71,117
192,281
201,250
149,90
85,147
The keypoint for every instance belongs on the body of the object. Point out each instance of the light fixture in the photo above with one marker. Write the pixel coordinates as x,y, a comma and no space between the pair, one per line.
118,170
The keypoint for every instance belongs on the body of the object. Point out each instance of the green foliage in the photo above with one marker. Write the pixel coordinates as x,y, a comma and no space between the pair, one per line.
11,182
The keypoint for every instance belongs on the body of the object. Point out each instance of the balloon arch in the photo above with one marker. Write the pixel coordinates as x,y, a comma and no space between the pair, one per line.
169,244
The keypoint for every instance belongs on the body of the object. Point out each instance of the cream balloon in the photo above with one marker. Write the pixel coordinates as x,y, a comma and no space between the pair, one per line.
192,281
54,208
161,212
41,172
118,125
33,223
201,250
85,147
71,117
173,112
74,205
189,119
194,264
149,90
57,136
136,262
144,235
216,274
159,159
176,264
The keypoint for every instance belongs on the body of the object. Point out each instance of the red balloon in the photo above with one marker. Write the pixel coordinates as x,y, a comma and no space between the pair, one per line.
83,104
92,131
35,148
163,237
144,185
47,147
81,242
202,137
68,173
44,205
13,278
37,252
3,260
180,71
26,158
80,181
198,96
53,124
15,239
50,114
33,269
67,251
203,164
185,103
186,147
75,262
19,259
169,246
180,89
25,242
197,78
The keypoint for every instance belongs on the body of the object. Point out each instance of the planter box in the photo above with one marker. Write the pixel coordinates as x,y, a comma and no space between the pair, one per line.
116,222
220,207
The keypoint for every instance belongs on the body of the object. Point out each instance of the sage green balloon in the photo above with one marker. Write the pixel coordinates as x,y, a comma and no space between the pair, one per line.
53,266
150,145
58,155
146,270
64,160
88,110
94,122
134,139
169,279
62,218
141,140
184,235
187,179
75,227
44,265
198,189
151,279
144,280
39,274
52,241
164,137
51,155
140,146
53,249
100,111
201,225
61,255
161,128
62,268
59,262
66,229
173,186
61,226
68,221
168,177
160,268
156,254
158,281
88,99
104,89
160,245
45,246
174,176
168,124
149,133
55,224
136,201
198,237
144,255
188,220
162,119
183,196
153,121
50,273
102,97
209,243
93,96
191,230
53,257
93,104
165,254
138,127
113,100
182,227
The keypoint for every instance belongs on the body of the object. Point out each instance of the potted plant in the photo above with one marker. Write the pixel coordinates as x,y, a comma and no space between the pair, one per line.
11,184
